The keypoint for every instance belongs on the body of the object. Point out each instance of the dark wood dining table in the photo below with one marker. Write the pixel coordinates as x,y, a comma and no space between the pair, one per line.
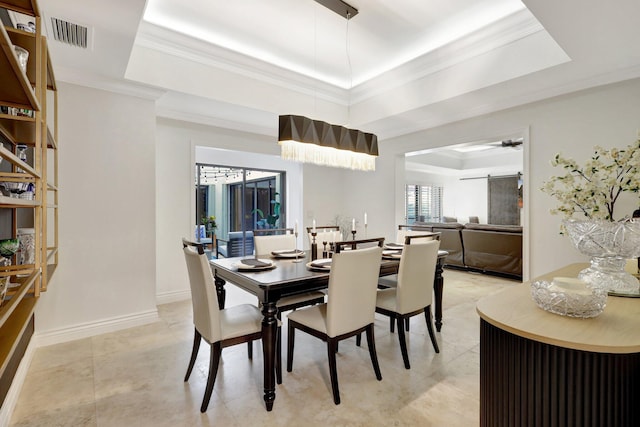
286,279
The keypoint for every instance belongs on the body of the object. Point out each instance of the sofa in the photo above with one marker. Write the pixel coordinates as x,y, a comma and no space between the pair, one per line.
493,248
486,248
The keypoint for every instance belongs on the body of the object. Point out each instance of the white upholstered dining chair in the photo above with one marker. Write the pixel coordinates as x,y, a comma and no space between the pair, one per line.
349,311
219,328
413,291
264,245
425,235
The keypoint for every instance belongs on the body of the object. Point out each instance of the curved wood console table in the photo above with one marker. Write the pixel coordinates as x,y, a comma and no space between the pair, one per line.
541,369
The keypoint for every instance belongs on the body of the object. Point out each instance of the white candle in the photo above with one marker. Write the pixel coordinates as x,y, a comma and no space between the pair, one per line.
365,219
314,226
353,224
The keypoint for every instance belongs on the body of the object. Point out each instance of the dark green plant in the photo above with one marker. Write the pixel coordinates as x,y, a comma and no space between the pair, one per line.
271,220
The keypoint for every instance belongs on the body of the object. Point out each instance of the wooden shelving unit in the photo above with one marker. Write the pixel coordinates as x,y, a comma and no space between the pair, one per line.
29,91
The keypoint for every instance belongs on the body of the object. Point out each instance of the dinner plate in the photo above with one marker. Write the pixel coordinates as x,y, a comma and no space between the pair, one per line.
288,253
252,264
394,246
322,264
395,255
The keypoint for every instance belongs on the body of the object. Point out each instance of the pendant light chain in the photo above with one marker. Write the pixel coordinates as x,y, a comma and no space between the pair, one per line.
350,71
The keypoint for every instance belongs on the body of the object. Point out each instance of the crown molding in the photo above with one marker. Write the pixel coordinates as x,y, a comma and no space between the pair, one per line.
173,43
511,28
96,81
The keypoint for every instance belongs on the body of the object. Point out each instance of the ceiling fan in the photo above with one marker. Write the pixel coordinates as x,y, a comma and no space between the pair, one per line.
511,143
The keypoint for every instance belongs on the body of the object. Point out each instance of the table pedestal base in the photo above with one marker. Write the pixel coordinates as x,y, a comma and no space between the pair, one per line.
528,383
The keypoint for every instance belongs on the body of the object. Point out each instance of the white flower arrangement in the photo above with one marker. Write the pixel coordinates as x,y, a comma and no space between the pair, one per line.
593,189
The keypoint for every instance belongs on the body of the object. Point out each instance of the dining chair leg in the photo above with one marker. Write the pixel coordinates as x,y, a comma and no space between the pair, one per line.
432,335
371,342
194,353
403,343
290,343
250,349
333,369
406,323
358,339
214,360
279,355
392,327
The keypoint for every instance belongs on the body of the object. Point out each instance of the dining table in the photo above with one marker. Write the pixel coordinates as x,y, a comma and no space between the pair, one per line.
288,277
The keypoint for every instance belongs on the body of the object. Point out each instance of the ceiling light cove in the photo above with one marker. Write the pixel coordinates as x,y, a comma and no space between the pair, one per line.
305,37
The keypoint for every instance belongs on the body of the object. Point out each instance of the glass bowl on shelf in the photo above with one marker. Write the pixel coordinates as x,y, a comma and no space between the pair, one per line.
569,296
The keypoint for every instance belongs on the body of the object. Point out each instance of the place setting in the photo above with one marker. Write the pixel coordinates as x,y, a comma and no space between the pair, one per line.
288,253
322,264
391,254
254,264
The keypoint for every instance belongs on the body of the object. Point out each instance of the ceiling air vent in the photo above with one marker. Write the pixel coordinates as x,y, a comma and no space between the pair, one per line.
69,33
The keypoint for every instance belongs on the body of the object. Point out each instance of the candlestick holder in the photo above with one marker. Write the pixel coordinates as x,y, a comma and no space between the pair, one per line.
324,250
297,253
314,246
365,230
354,234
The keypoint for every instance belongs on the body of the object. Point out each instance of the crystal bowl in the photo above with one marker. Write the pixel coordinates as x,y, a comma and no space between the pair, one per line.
8,247
569,297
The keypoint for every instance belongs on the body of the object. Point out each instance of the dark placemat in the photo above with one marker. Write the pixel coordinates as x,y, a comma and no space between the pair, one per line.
255,262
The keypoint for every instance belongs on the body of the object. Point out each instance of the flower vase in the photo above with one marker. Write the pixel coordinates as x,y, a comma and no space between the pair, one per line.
609,244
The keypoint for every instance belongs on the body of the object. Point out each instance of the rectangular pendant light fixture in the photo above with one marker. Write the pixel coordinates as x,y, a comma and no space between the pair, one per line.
314,141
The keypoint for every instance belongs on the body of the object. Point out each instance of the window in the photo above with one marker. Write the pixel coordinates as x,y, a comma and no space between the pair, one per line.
423,203
238,199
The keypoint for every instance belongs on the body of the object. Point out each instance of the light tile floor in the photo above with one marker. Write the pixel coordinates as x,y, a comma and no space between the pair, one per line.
134,377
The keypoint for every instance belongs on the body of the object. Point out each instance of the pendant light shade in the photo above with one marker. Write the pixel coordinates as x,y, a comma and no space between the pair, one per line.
314,141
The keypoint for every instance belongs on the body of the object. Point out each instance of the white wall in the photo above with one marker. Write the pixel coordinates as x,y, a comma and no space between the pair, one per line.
107,213
608,116
180,145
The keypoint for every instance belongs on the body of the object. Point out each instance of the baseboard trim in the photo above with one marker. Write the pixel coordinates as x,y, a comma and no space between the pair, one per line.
94,328
173,296
13,394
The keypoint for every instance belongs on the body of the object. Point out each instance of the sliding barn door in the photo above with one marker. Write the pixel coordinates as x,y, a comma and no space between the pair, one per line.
503,200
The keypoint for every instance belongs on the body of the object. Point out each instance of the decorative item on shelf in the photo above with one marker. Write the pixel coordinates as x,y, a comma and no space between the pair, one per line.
22,155
569,296
591,191
29,28
8,247
14,189
23,57
26,236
